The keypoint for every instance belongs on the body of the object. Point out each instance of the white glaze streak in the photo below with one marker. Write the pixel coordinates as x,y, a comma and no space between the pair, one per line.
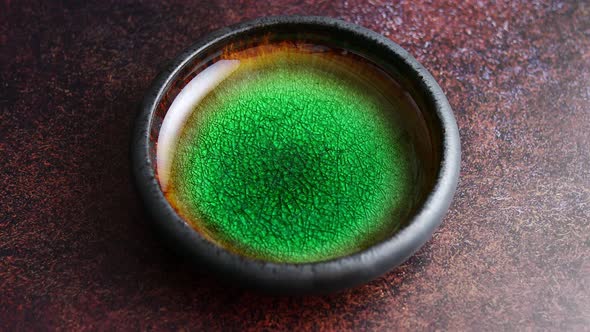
180,110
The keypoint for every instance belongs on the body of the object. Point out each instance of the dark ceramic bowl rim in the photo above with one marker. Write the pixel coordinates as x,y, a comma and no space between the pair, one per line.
316,277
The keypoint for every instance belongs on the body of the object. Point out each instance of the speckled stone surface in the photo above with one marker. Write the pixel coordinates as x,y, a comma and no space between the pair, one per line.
512,253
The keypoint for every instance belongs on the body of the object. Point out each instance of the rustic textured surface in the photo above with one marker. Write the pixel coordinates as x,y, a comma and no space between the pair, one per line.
512,253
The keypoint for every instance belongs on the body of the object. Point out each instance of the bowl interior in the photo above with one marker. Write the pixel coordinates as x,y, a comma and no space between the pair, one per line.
416,114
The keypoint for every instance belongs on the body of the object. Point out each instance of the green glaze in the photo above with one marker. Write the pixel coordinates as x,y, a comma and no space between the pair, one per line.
292,160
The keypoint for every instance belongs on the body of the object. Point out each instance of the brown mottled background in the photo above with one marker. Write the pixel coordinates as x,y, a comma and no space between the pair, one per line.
512,253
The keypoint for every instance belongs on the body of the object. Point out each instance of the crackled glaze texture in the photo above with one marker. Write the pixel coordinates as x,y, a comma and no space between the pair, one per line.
292,159
511,254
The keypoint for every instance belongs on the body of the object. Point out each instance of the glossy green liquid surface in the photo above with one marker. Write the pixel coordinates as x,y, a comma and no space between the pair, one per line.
291,159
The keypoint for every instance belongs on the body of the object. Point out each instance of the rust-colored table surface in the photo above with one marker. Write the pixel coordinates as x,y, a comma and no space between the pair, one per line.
512,253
